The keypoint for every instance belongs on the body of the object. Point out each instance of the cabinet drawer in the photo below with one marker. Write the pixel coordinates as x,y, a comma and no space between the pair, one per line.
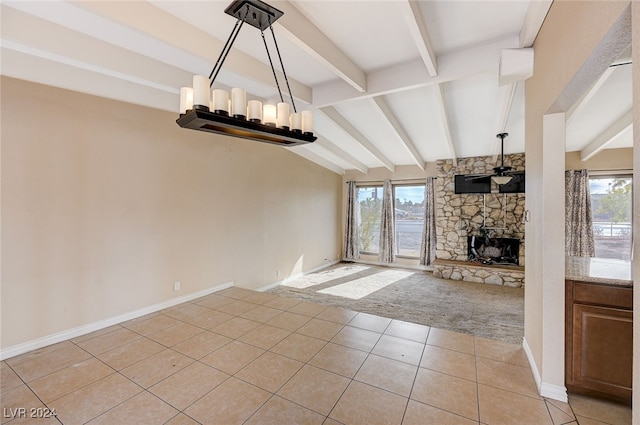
604,295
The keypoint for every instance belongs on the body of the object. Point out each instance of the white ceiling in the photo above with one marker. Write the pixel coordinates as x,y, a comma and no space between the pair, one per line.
391,82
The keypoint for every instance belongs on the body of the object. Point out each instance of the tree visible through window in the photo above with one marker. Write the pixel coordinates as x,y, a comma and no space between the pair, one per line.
370,201
611,209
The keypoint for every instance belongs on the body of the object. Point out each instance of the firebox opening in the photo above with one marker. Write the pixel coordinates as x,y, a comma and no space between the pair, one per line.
488,250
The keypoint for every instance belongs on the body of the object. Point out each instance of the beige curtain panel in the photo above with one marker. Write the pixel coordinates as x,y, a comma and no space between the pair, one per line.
578,222
428,247
387,226
352,236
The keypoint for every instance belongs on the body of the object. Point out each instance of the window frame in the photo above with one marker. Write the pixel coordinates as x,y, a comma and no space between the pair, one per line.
366,186
379,186
394,186
623,174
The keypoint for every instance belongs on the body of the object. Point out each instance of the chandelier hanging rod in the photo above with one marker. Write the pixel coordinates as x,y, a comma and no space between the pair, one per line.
275,42
227,48
263,16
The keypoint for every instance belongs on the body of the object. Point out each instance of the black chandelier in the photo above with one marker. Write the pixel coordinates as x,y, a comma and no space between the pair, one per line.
214,111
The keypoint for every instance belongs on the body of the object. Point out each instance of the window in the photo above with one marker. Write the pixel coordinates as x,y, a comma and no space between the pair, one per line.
611,210
370,201
409,218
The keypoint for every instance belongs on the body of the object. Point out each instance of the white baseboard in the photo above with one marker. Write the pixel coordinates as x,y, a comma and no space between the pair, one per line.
25,347
532,363
551,391
297,275
554,392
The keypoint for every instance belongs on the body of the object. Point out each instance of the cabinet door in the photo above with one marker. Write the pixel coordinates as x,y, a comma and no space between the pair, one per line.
602,349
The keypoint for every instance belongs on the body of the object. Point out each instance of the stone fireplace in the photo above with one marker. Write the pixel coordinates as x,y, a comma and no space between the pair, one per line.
493,217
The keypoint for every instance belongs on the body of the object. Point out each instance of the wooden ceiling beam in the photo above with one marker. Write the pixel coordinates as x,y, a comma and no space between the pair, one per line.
337,151
444,113
607,136
306,151
387,114
412,75
302,32
348,128
418,30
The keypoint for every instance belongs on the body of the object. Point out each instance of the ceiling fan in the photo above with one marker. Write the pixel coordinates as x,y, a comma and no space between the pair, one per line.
501,174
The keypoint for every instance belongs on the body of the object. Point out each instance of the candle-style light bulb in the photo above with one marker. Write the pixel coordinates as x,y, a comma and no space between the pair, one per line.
201,93
220,101
186,99
254,111
239,103
282,116
269,114
307,122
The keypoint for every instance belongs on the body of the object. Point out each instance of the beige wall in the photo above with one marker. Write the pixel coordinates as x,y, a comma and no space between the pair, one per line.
563,70
606,160
105,205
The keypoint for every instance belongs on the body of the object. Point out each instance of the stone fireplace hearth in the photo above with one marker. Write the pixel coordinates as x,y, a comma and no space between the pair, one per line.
477,272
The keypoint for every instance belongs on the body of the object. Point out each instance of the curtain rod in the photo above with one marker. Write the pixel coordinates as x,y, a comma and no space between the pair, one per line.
422,180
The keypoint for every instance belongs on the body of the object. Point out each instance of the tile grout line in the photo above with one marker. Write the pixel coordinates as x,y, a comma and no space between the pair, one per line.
272,394
183,411
415,377
448,374
360,367
475,363
93,382
147,389
26,384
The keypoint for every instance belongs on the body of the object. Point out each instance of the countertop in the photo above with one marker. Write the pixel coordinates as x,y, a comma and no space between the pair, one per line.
599,270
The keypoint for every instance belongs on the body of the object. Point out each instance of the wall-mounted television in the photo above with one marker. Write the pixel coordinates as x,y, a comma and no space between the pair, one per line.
470,184
516,185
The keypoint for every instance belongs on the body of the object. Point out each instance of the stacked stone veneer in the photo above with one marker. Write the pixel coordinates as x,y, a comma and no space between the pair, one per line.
475,272
462,215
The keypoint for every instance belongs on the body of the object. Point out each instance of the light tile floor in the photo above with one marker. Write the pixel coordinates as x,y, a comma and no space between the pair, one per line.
245,357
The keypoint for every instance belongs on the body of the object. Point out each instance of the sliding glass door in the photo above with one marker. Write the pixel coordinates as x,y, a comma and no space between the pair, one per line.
409,218
409,214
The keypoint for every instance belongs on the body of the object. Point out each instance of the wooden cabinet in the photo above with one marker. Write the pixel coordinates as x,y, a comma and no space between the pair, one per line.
599,340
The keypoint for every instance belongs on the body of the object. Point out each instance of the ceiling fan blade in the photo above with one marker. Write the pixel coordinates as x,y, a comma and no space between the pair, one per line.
470,177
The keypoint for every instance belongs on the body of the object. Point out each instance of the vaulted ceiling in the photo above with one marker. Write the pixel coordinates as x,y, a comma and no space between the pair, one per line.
391,82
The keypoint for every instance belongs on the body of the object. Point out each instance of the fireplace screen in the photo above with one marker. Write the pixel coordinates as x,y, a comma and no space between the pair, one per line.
489,250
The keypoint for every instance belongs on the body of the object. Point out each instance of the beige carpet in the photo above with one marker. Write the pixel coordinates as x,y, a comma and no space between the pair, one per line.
489,311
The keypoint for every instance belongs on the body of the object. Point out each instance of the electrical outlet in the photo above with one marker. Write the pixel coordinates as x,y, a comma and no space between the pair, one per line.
176,286
278,273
